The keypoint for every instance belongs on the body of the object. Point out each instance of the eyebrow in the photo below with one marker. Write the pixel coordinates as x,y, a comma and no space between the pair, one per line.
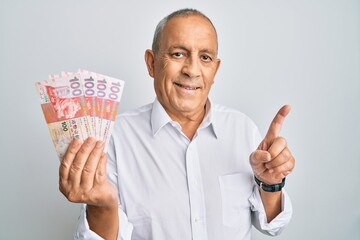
208,51
179,47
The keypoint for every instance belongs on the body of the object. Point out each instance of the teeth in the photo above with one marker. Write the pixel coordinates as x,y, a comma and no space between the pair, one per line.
187,88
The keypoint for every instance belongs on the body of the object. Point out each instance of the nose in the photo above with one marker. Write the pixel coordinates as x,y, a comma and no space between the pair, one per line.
191,67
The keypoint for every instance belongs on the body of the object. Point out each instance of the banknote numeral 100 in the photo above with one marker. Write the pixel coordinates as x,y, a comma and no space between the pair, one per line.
115,89
101,87
75,86
64,126
89,86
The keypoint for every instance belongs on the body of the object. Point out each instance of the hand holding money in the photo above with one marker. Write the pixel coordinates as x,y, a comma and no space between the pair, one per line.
83,180
83,174
80,110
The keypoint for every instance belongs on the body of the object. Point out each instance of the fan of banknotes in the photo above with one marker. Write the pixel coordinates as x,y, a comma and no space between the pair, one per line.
79,105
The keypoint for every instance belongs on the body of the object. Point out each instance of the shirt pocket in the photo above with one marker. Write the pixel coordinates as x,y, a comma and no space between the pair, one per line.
236,190
143,228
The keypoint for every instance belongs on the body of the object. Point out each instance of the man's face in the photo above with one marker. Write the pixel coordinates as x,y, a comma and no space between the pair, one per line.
185,67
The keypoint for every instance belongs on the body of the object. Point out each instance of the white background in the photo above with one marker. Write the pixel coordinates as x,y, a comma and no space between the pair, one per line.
305,53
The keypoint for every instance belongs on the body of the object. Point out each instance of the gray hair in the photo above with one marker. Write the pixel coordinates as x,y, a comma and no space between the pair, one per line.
179,13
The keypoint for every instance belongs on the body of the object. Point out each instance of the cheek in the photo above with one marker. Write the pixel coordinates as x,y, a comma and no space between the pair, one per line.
162,84
165,63
209,78
166,68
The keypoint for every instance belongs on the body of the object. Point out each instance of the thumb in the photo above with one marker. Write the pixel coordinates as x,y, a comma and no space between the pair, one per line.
259,157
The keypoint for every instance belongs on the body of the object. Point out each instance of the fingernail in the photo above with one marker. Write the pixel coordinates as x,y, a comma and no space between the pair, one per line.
99,144
90,140
76,142
268,157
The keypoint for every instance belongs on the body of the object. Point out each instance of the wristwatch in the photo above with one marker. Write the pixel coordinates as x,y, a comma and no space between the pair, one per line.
270,188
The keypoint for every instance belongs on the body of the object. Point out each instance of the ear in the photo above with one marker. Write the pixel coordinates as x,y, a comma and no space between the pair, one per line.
149,60
218,62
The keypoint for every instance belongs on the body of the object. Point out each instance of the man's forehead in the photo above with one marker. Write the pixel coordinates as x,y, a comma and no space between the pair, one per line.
180,22
182,28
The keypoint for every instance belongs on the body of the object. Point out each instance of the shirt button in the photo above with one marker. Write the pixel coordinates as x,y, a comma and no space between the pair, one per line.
197,219
195,183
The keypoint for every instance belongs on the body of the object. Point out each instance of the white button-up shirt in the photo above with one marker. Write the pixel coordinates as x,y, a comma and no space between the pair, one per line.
171,187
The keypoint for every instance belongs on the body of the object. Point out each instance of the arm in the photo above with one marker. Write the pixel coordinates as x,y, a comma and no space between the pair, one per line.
272,203
272,162
103,220
83,180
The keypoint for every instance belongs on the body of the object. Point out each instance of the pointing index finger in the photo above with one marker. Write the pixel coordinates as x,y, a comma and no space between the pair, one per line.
277,123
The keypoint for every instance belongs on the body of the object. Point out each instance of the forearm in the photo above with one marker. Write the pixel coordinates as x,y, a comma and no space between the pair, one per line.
272,203
104,221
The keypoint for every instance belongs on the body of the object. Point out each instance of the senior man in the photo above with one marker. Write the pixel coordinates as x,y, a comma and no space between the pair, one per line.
181,167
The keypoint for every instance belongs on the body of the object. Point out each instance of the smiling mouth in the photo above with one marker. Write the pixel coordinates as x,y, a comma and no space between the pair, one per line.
186,87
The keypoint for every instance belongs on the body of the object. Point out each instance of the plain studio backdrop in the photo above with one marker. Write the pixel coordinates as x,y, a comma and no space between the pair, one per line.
274,52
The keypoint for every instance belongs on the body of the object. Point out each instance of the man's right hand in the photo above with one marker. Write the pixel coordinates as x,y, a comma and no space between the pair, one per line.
83,180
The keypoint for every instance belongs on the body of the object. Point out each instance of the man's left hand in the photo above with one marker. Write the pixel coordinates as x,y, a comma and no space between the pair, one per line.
273,161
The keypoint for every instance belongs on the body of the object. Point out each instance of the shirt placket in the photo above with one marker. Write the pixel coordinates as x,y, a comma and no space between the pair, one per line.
196,193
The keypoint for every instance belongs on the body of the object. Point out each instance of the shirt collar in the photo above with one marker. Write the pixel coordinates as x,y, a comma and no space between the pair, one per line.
159,117
209,118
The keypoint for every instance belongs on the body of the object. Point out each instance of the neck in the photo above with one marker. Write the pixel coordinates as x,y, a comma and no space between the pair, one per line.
189,122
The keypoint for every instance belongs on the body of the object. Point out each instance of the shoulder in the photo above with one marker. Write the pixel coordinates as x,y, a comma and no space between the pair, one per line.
226,110
135,113
228,114
133,118
235,125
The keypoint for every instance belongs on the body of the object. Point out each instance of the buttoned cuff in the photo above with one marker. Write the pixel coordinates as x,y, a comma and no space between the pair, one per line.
276,226
83,231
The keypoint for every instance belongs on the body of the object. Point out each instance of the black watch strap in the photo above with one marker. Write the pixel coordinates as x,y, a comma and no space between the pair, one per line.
270,188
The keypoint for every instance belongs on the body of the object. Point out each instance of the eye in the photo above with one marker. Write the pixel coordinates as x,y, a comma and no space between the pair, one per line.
206,58
177,55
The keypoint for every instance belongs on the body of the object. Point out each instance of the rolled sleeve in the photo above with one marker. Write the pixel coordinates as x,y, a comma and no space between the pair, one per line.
83,231
259,220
